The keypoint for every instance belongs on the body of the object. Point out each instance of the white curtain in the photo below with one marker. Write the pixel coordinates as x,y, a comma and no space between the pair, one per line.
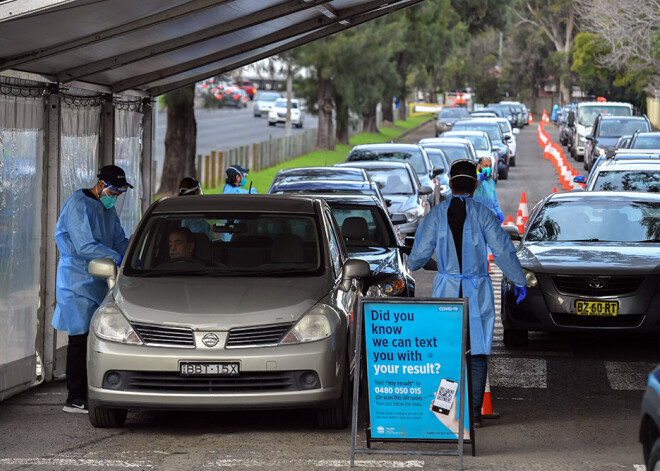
128,154
21,169
79,148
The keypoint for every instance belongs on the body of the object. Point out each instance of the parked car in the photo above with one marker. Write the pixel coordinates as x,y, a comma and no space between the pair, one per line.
277,113
649,428
249,87
623,142
585,115
564,125
454,148
264,320
448,117
440,160
414,154
627,174
483,114
399,183
645,140
508,112
234,96
606,132
590,260
264,102
518,109
481,144
370,235
618,155
331,173
497,138
511,133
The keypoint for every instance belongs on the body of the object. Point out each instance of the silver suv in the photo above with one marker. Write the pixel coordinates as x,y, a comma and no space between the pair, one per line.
626,173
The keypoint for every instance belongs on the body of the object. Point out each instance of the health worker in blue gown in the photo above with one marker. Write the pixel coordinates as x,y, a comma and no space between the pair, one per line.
486,193
88,228
458,231
236,181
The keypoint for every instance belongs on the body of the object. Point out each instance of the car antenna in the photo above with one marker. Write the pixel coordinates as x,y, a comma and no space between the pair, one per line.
250,190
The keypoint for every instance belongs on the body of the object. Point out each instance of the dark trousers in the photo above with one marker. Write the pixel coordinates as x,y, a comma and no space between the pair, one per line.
76,367
479,372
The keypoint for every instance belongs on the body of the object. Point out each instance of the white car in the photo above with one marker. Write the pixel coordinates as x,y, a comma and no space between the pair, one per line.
264,102
277,113
482,146
507,130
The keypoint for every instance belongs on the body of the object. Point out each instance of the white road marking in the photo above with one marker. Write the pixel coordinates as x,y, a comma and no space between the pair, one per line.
517,372
628,376
639,467
283,464
73,462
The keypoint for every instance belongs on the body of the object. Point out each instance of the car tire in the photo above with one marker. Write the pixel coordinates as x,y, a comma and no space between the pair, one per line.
339,416
515,338
103,417
257,115
512,162
654,457
271,124
503,175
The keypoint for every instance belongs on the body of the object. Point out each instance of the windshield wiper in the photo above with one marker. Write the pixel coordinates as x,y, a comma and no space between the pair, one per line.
584,240
648,241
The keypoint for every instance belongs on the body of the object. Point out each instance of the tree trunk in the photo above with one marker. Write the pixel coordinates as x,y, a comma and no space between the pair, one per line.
369,123
342,121
402,108
325,136
388,109
180,139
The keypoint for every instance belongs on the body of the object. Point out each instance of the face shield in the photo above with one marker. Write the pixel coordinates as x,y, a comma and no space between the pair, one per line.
111,197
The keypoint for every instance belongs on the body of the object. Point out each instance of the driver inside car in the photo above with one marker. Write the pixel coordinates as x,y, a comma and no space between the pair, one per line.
181,244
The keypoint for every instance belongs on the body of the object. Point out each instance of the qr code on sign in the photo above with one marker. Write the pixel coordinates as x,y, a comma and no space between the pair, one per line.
444,394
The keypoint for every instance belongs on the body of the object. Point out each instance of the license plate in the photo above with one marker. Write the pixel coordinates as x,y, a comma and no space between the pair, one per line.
596,308
189,368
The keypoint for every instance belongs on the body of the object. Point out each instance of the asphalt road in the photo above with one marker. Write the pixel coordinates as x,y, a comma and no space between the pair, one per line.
226,128
567,403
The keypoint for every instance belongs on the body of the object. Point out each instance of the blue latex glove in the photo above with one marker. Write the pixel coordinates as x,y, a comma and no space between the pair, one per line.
520,292
482,176
121,258
500,216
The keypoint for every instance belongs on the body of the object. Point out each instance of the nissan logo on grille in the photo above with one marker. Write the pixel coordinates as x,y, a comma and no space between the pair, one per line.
597,283
210,340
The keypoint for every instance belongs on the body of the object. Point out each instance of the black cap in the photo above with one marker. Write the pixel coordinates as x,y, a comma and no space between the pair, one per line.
234,170
115,176
463,168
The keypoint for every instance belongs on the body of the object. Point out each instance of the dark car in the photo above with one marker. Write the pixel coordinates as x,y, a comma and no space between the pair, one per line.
302,174
591,263
645,140
440,160
508,112
399,184
649,429
606,132
497,138
369,235
453,148
448,117
562,122
615,156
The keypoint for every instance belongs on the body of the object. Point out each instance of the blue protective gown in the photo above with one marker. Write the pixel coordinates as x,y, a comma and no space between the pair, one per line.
84,231
481,228
487,195
236,190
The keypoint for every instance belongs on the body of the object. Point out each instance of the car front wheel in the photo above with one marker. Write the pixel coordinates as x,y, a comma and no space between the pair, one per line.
103,417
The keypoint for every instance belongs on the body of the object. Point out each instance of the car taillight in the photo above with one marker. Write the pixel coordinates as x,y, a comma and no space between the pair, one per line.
236,97
228,92
215,90
245,98
254,90
219,96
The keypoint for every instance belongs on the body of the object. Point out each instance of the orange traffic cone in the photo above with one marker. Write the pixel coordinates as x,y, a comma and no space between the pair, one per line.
531,121
487,405
523,206
519,222
509,222
554,189
490,259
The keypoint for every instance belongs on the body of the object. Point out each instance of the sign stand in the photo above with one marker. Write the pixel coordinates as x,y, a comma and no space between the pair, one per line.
384,338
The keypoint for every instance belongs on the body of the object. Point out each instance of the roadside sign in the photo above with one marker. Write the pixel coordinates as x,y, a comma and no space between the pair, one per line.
413,352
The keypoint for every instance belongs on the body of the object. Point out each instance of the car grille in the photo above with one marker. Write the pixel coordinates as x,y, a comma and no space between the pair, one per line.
260,336
165,336
611,285
166,381
572,320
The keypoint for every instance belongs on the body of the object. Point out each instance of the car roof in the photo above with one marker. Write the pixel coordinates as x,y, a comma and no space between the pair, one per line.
245,203
648,133
374,164
464,133
385,146
618,118
356,199
629,164
476,121
603,103
330,169
449,141
604,195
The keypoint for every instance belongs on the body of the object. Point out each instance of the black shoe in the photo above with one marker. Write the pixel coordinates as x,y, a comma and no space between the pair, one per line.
76,406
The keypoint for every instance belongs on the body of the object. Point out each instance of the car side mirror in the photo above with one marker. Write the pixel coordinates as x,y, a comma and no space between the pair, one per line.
353,268
507,138
398,218
589,137
512,231
580,179
425,190
388,202
104,268
516,131
437,171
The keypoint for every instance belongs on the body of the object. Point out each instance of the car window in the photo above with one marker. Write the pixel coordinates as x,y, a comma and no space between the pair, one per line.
392,181
281,103
588,114
628,180
621,127
413,157
268,96
455,153
453,113
597,220
437,157
233,245
363,225
646,142
492,130
504,127
335,250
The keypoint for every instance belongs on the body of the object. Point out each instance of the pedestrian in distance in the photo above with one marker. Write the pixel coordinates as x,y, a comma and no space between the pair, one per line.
486,193
88,228
458,231
236,181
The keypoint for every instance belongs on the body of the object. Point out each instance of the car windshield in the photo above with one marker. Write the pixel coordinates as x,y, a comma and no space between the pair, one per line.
646,142
596,220
628,180
621,127
363,225
455,153
504,127
492,130
437,158
392,181
226,244
453,113
281,103
413,157
478,142
329,173
269,96
588,114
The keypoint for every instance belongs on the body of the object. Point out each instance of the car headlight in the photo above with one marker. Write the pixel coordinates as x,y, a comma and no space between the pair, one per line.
387,288
531,278
411,215
110,324
318,323
600,151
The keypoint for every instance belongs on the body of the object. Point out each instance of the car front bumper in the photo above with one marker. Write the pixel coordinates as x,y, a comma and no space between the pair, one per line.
270,377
